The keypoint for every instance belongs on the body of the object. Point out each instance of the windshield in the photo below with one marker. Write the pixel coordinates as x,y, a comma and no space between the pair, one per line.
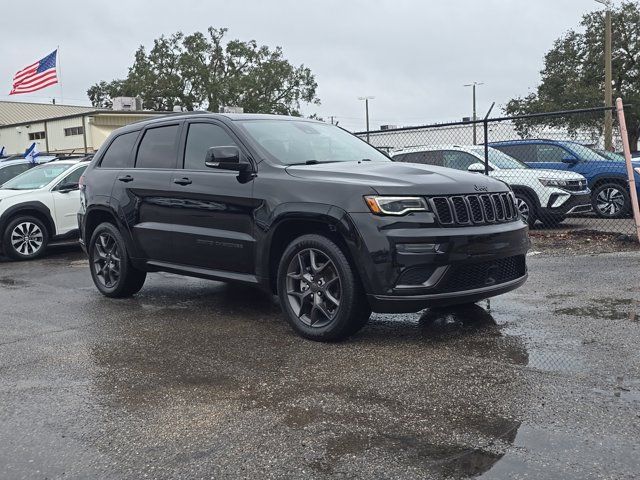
37,177
500,160
611,155
297,142
584,153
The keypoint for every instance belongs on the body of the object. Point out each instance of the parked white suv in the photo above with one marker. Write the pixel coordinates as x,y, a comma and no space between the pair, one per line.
39,206
544,195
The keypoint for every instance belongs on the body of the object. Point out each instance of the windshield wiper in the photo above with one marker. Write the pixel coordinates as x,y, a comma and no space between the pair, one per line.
313,162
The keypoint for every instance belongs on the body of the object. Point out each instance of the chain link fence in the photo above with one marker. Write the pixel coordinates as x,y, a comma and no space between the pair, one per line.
557,165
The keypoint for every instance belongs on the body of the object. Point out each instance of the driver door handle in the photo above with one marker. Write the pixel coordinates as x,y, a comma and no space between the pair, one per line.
182,181
126,178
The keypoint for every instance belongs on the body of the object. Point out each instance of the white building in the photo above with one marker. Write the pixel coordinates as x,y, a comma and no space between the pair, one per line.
60,128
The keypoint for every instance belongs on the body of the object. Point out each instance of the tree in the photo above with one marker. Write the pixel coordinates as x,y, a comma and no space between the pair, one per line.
202,72
573,75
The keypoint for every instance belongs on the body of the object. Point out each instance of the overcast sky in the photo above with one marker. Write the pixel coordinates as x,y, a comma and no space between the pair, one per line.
413,56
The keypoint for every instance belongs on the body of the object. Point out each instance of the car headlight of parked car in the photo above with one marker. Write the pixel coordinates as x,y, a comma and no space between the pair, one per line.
553,182
381,205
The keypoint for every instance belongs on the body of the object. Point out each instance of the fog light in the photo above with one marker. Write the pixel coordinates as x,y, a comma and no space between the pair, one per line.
419,248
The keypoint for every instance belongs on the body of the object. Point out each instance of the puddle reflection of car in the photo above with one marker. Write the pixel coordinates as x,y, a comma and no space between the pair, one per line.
547,196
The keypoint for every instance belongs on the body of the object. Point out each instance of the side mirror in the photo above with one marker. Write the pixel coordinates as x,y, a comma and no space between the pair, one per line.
476,167
225,158
68,187
569,159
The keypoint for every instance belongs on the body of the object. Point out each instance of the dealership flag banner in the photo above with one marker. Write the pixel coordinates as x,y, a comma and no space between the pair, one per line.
36,76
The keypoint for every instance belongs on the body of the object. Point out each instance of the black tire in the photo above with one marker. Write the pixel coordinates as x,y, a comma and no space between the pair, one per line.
25,238
524,203
331,322
611,200
551,221
111,269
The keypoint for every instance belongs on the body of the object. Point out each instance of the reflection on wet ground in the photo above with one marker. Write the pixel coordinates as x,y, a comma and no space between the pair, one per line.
201,377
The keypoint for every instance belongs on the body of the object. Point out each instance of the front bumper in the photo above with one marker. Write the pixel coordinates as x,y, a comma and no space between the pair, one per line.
407,265
576,203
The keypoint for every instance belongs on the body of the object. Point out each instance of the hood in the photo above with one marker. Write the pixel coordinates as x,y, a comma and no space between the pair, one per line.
12,193
394,178
535,173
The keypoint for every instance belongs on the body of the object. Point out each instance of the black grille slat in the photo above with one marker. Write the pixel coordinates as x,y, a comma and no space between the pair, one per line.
475,207
458,210
576,185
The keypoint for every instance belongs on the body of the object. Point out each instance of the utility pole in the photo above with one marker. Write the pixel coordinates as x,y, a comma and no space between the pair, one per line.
366,108
475,117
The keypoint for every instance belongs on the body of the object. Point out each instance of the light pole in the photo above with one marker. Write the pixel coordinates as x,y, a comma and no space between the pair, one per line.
475,117
366,108
608,84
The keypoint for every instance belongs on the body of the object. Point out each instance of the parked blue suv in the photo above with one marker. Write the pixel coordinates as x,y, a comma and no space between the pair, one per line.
607,178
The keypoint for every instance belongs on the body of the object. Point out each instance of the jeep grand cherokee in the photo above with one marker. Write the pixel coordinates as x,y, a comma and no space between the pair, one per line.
301,208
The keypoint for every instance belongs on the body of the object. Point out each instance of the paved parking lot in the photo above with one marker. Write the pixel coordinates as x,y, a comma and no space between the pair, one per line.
195,379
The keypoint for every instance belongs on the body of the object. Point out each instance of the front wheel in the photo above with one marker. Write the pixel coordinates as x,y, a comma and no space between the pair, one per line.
111,269
25,238
319,291
610,200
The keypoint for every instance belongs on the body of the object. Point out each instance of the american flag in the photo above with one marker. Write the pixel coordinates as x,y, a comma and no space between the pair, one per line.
37,76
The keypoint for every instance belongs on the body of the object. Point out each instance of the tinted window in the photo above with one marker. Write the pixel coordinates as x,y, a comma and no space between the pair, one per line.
458,160
425,158
551,153
118,155
200,138
8,173
158,148
524,153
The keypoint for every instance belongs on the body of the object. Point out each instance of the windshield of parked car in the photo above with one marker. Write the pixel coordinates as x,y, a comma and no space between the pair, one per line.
611,155
37,177
500,160
299,142
585,153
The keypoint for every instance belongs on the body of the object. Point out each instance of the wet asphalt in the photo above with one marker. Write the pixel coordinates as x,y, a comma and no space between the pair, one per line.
197,379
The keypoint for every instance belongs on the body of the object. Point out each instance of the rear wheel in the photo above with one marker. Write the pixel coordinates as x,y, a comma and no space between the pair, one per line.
111,269
527,208
319,291
611,200
25,238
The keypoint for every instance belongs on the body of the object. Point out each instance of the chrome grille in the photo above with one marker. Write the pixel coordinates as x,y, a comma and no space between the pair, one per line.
576,185
474,209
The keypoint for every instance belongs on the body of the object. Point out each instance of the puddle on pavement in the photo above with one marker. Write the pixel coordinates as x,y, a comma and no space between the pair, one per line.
10,282
604,309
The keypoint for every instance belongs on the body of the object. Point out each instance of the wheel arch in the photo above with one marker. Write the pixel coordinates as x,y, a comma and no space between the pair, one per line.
331,222
617,179
529,192
96,215
36,209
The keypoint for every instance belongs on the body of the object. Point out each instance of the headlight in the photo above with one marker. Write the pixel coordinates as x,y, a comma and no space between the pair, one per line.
553,182
395,205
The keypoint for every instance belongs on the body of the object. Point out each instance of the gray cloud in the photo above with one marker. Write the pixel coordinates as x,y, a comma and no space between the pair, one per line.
413,56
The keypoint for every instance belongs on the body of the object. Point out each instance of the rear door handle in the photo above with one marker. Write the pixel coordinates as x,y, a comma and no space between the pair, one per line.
126,178
182,181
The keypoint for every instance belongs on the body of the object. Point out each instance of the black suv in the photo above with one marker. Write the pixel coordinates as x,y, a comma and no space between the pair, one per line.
303,209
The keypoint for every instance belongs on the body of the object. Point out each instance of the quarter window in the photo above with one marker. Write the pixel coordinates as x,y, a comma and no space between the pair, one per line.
118,155
158,148
200,138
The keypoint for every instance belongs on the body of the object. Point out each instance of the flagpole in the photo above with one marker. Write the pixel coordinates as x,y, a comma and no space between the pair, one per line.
59,69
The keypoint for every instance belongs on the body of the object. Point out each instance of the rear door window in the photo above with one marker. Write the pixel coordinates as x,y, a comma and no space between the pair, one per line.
159,148
118,155
524,153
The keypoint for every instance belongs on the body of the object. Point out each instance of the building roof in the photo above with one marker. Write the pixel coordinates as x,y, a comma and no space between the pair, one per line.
21,112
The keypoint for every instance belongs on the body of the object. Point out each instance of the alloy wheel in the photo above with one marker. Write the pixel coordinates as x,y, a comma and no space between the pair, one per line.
610,201
313,287
106,260
27,238
523,208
